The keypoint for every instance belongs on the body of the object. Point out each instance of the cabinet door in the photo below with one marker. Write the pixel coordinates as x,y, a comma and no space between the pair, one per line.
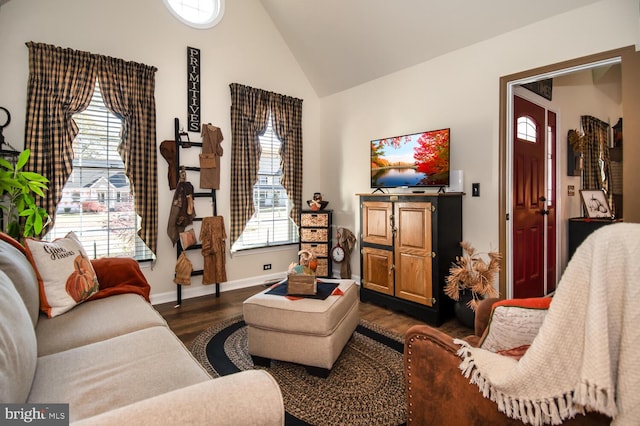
377,222
377,270
413,261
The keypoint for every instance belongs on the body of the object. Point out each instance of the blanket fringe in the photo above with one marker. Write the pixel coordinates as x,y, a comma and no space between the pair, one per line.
594,398
538,412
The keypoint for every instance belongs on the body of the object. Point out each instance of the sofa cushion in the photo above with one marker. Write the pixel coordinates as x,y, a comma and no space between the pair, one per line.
116,372
513,325
14,263
64,272
17,345
250,397
94,321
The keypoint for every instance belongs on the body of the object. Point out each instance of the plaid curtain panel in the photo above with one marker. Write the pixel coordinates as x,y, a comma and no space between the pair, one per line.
596,173
249,115
61,83
287,122
128,91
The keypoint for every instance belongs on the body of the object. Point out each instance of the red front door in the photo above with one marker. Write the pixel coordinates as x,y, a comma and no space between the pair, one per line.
533,193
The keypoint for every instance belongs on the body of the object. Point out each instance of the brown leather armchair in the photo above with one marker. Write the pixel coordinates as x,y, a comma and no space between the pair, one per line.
438,393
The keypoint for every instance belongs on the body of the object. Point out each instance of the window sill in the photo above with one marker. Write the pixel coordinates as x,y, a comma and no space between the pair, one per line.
261,250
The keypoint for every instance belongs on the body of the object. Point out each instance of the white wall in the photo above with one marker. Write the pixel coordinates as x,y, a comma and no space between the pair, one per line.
460,90
245,48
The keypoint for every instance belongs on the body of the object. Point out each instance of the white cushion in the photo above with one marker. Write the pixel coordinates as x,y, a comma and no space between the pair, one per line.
514,324
64,271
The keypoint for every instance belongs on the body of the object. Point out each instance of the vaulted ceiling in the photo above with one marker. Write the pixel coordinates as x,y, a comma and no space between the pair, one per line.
343,43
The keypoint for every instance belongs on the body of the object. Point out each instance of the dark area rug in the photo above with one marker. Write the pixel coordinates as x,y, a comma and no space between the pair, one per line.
365,387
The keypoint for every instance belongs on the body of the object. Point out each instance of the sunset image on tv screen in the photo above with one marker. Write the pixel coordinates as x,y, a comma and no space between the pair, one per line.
419,159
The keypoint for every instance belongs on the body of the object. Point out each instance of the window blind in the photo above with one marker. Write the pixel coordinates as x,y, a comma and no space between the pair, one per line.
97,203
270,224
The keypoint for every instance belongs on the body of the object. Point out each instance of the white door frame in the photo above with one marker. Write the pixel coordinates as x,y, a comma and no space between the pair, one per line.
513,89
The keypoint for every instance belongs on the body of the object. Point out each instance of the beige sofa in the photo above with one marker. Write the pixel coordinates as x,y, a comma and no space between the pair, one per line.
114,361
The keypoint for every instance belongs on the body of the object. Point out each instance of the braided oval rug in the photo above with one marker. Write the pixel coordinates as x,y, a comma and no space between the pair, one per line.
366,385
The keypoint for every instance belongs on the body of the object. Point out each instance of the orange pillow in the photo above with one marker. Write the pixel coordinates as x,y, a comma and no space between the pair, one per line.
532,302
513,325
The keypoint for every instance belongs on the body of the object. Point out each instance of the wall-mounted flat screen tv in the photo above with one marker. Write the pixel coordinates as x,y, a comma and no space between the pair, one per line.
412,160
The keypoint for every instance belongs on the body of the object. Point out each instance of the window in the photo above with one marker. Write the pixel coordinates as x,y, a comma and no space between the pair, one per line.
526,129
270,224
96,201
200,14
550,173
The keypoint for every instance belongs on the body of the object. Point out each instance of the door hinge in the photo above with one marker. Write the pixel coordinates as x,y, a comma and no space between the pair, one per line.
433,300
507,216
433,208
433,254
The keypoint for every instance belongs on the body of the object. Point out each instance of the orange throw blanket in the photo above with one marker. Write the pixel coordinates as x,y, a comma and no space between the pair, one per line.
118,275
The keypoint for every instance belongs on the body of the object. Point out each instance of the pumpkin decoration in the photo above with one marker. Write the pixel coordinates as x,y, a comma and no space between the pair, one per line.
308,259
82,282
313,264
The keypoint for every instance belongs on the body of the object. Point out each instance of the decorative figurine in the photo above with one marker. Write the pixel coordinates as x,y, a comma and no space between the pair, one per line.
317,203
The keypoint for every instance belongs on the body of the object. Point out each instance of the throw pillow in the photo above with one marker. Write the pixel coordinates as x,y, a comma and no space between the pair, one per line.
65,274
513,325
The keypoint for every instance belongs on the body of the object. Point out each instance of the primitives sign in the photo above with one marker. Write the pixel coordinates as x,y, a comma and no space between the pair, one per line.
193,89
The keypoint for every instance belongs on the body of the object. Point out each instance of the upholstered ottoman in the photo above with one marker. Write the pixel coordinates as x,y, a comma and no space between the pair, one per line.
305,331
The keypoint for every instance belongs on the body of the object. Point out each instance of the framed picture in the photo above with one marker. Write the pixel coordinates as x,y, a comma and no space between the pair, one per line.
595,203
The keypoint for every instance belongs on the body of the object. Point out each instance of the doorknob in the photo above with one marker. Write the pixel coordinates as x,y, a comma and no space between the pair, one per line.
543,198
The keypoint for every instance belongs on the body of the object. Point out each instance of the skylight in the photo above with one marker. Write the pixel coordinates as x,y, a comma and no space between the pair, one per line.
200,14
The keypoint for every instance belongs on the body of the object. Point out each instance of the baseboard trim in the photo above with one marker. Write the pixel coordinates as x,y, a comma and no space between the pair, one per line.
197,290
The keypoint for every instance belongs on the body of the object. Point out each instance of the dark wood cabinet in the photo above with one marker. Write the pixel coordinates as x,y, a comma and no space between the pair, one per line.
408,242
581,227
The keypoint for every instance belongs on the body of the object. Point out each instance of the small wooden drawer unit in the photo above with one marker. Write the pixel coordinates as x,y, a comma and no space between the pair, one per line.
315,236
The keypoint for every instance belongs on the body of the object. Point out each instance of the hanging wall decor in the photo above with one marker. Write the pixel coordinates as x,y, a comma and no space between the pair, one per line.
543,88
193,89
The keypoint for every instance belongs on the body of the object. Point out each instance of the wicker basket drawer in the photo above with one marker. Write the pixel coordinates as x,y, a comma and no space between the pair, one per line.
314,235
323,267
314,219
319,250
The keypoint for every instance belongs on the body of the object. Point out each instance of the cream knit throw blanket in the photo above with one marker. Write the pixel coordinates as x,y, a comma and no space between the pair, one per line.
586,356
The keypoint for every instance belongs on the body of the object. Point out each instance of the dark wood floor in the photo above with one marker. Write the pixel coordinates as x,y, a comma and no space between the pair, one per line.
195,315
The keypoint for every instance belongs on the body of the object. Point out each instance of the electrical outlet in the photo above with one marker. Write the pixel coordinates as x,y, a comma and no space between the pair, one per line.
266,267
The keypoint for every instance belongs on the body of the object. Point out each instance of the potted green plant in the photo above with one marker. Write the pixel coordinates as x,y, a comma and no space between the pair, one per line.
470,280
18,189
